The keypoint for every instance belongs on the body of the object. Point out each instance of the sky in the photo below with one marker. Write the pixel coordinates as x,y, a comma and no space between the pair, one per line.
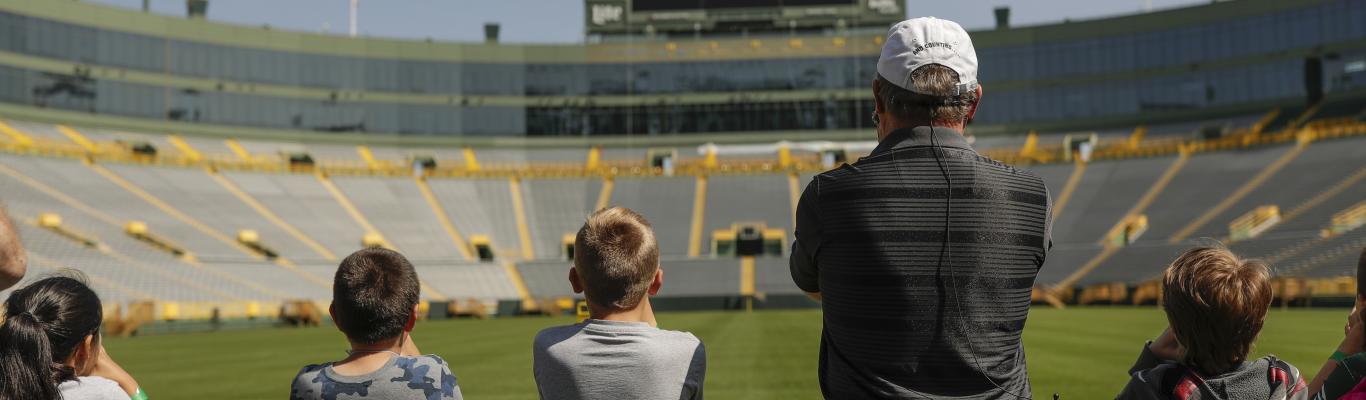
561,21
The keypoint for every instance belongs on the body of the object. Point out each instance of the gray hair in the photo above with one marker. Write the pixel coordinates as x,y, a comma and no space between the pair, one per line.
932,99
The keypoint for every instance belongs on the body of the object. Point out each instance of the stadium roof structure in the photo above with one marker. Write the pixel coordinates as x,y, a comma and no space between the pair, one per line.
265,37
802,46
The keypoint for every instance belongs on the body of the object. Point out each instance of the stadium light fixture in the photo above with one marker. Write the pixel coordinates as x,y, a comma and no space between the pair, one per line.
355,5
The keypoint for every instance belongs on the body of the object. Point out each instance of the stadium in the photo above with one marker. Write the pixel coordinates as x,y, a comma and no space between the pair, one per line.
208,177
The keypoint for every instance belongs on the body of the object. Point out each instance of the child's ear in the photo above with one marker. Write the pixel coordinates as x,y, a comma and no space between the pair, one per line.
332,312
658,281
83,358
412,320
574,280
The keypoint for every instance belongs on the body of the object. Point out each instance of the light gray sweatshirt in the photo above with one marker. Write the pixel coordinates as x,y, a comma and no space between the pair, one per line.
600,359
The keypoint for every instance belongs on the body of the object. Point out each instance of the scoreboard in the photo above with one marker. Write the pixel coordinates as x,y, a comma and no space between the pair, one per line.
633,17
659,5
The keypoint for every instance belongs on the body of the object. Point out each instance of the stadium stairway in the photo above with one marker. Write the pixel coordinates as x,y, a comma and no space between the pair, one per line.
555,208
311,250
1319,165
116,257
482,207
399,211
203,200
666,203
457,239
519,216
761,199
117,197
1189,197
301,202
1080,243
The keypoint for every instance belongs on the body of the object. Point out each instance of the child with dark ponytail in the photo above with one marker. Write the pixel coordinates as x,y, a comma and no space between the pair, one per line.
50,345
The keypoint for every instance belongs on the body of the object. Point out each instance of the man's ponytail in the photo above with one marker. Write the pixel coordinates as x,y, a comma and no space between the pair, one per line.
23,348
44,324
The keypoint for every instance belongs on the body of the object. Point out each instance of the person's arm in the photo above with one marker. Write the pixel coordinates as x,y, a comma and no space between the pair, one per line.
105,367
13,261
1137,389
1352,343
697,371
1048,220
1163,349
1047,229
802,261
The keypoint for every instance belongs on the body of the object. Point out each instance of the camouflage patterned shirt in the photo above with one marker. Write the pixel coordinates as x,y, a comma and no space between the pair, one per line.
422,377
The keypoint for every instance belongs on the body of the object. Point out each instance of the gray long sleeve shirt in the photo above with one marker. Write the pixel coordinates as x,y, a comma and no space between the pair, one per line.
600,359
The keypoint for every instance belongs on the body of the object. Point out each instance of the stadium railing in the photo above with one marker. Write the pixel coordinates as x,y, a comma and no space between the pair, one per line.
1112,149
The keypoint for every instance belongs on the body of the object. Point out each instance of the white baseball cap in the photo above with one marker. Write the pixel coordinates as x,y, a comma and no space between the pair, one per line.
918,42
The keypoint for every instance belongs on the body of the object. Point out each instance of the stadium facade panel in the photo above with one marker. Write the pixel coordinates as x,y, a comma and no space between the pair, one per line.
112,62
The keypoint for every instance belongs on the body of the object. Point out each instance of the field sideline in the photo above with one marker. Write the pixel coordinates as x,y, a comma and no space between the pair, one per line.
1078,353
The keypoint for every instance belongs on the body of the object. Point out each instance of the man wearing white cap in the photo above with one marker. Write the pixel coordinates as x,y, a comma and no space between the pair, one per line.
924,253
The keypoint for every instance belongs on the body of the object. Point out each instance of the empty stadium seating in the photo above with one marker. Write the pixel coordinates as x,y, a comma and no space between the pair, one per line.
525,202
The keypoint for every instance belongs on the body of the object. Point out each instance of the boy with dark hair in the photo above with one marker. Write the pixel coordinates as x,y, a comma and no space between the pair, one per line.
1343,374
1215,304
374,302
618,353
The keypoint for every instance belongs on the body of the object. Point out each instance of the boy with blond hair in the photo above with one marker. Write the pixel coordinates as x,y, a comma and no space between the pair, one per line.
618,353
1215,304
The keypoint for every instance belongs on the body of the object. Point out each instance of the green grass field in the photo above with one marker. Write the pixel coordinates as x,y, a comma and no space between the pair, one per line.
1079,353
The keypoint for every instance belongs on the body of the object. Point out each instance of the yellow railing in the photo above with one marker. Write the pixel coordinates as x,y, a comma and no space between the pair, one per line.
1108,149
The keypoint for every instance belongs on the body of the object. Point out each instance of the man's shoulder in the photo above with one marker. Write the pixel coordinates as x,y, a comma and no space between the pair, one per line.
844,170
1008,169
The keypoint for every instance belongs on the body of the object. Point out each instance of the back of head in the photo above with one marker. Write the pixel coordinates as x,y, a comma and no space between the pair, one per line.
373,295
13,261
44,323
1216,304
616,256
931,96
